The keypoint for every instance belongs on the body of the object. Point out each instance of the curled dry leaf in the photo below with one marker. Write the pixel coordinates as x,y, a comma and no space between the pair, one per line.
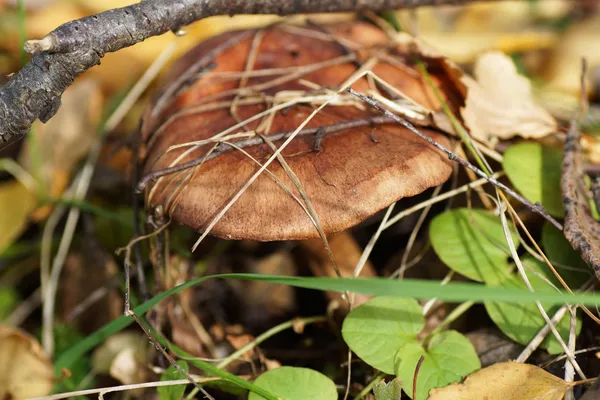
25,370
505,381
499,103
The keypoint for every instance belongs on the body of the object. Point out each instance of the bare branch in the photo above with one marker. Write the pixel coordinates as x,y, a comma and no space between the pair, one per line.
581,229
71,49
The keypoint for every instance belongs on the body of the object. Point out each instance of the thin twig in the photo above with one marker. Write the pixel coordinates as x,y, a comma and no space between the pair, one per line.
521,269
122,388
541,335
416,375
92,298
437,199
414,233
25,308
353,78
569,371
127,249
537,208
223,148
268,334
167,355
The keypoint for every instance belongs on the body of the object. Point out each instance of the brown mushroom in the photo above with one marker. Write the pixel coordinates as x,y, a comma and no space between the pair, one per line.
351,161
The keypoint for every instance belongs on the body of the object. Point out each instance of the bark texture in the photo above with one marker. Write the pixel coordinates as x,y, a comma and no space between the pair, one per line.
35,91
581,230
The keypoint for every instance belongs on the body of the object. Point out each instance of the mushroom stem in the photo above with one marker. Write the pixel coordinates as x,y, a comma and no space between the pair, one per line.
347,255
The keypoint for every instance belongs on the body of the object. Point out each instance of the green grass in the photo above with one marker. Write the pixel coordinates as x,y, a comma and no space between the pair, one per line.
420,289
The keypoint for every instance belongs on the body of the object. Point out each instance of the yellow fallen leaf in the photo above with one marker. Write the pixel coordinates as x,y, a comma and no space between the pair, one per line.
63,141
94,6
465,47
580,40
25,370
17,202
463,33
500,103
46,19
505,381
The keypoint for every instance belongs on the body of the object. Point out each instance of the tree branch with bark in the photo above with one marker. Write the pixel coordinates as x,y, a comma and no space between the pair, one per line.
71,49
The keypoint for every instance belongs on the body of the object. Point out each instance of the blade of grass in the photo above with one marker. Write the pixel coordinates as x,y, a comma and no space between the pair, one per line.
212,370
420,289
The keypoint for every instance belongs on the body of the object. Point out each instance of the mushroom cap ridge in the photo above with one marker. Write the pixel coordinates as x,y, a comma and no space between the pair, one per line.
352,174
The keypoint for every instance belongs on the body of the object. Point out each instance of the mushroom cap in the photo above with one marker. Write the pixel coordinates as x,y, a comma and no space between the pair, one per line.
351,175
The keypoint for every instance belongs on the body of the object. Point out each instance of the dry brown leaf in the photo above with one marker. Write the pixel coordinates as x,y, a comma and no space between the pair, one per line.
67,137
16,203
64,140
500,104
25,370
505,381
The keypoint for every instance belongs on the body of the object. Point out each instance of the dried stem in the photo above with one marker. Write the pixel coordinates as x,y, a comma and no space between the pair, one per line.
167,356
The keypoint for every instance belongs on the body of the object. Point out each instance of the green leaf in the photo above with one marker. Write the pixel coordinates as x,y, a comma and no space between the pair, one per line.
448,357
291,383
472,243
174,392
388,391
376,329
535,171
419,289
567,261
522,321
